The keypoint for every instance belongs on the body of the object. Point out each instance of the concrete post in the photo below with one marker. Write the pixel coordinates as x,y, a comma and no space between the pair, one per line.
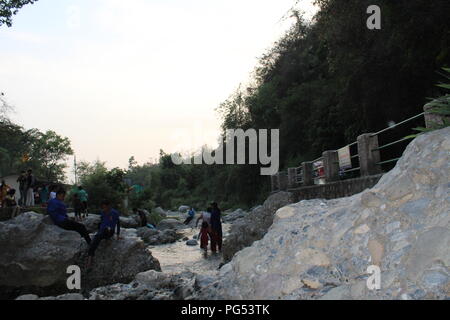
432,120
307,168
331,165
368,155
292,175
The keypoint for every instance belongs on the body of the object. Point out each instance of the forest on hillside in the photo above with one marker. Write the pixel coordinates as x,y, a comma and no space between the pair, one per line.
322,84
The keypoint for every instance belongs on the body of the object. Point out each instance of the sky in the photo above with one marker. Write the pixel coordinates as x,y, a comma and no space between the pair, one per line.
128,78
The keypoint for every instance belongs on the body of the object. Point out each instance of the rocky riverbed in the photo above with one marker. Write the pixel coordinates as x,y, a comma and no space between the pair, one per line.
315,249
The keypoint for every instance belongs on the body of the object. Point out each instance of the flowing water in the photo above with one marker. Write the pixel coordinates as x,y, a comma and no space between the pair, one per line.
178,257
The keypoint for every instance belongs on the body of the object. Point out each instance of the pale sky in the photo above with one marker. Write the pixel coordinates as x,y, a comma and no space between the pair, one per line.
122,78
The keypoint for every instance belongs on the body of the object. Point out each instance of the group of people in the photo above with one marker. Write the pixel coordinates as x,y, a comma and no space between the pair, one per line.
109,223
211,229
8,200
30,194
33,194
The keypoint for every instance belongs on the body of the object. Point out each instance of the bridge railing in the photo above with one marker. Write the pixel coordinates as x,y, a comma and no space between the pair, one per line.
364,157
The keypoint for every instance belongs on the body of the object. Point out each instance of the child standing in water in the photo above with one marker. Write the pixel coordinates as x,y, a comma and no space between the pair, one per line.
204,238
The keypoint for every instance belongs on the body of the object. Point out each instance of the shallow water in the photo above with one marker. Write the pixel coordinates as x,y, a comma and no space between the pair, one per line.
178,257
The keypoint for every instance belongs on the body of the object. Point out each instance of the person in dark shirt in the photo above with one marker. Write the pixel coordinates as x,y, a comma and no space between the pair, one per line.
57,211
191,215
142,216
22,180
216,228
77,207
110,222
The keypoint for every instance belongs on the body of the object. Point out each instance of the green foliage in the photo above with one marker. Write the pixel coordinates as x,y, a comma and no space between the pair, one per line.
322,84
45,152
102,184
439,106
48,153
8,8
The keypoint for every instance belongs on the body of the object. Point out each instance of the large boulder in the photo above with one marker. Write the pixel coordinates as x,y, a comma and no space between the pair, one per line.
64,297
232,216
91,222
129,222
160,211
157,237
321,249
35,255
254,225
170,224
150,285
184,209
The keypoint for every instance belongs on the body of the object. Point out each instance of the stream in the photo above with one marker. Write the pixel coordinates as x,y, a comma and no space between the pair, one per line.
178,257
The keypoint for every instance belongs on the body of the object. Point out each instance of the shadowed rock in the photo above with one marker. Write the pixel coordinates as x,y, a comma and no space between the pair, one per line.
35,254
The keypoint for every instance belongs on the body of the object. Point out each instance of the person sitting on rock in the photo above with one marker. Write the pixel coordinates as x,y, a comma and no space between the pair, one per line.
191,215
110,221
142,217
57,210
204,236
11,203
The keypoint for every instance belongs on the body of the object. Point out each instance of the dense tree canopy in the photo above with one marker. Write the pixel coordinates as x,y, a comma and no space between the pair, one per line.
324,83
20,149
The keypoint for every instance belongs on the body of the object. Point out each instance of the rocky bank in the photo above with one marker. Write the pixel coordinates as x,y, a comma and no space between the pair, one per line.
321,249
35,254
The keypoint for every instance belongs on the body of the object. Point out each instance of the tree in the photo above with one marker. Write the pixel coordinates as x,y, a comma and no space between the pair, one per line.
14,143
8,8
5,108
48,151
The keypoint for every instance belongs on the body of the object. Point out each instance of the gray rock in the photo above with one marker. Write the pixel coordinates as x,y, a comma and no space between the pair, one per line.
150,285
184,209
320,249
170,224
235,215
129,222
192,242
254,225
160,211
35,255
157,237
